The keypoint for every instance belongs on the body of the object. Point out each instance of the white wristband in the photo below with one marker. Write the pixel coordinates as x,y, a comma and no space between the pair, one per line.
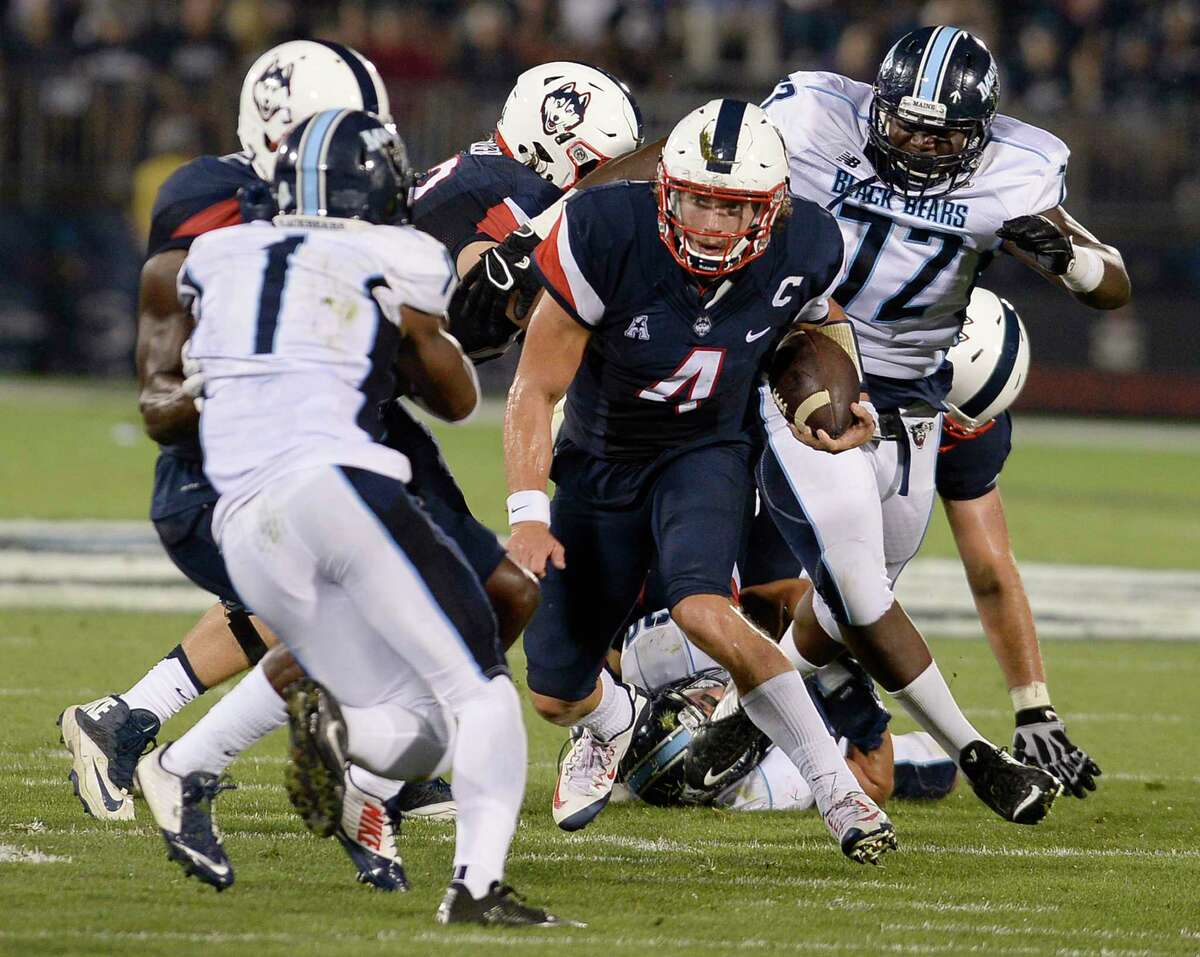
1085,272
528,505
1034,695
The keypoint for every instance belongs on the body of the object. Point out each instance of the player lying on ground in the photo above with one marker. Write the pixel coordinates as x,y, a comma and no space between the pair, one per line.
927,183
317,527
687,686
663,302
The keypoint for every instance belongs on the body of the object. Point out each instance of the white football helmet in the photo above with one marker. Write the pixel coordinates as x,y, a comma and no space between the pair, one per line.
294,80
726,149
565,119
990,359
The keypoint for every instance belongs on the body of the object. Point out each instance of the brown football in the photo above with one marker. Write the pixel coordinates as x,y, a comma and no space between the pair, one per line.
814,382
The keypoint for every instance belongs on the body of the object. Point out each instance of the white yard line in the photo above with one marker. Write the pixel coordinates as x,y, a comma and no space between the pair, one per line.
11,854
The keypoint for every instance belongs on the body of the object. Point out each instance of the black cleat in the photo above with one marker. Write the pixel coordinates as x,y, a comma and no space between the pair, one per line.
1015,791
425,801
315,775
501,906
724,748
182,809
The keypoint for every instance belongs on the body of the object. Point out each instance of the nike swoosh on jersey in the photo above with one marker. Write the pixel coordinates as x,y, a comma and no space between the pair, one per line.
113,804
752,336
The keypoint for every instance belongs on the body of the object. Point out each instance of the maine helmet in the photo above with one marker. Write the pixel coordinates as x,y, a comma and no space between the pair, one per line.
343,164
990,361
726,149
294,80
565,119
939,78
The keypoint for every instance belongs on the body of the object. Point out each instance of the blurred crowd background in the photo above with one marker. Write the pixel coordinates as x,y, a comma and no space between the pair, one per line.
101,99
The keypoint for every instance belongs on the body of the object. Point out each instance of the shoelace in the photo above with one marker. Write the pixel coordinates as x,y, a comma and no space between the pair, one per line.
585,765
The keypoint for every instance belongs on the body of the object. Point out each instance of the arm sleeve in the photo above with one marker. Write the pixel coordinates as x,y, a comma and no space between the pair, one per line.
579,262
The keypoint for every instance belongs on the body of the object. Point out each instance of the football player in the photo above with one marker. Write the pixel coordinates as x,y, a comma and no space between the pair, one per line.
663,300
314,519
469,203
927,183
687,687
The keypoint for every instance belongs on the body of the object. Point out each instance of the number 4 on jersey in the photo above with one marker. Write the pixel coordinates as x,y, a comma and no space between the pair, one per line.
699,371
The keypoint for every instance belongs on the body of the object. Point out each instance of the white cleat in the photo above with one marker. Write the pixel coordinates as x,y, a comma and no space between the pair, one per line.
588,772
860,827
182,809
105,740
368,834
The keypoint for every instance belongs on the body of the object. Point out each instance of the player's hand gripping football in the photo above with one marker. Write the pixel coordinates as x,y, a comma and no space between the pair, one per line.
1042,239
1041,740
531,546
859,433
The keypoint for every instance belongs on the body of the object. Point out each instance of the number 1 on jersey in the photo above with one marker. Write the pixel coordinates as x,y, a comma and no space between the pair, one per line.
700,370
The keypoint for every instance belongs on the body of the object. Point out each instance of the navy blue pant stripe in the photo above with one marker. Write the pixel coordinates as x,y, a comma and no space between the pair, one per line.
366,86
1004,365
439,563
272,293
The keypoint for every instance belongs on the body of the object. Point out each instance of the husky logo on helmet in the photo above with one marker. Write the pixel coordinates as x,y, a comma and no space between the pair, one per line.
273,89
563,109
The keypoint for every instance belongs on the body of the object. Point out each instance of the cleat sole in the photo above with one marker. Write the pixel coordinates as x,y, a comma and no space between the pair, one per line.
868,850
313,778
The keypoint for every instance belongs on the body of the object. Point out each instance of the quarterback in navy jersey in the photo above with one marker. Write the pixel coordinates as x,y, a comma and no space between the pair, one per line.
664,300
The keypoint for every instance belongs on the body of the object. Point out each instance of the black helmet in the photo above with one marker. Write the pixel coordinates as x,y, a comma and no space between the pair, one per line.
345,164
939,78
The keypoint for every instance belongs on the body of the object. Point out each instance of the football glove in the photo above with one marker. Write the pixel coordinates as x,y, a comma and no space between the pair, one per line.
1042,239
1041,740
479,308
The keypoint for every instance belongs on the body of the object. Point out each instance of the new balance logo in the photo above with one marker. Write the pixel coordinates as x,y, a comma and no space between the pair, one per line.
639,328
370,827
849,159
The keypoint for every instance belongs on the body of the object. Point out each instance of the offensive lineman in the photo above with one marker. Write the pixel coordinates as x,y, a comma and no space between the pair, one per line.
663,302
316,525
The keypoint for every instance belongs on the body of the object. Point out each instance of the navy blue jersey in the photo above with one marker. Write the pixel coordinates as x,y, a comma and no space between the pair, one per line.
671,364
478,194
198,197
969,463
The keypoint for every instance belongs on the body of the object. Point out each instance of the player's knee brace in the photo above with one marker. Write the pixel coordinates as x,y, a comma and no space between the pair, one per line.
852,582
244,632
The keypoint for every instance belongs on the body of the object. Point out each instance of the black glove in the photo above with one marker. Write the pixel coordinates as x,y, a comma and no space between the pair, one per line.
1041,740
479,307
1036,235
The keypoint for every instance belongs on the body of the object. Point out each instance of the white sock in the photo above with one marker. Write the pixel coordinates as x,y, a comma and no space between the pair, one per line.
165,689
614,713
250,712
783,710
381,788
396,743
928,701
490,757
788,646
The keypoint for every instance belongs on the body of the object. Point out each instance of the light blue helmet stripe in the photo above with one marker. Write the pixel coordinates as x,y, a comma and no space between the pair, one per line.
935,62
308,169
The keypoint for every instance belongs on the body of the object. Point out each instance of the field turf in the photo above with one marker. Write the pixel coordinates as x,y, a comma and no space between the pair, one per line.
1117,874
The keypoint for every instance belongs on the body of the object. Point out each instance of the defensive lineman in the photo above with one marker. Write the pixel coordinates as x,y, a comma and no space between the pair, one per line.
927,182
305,316
663,301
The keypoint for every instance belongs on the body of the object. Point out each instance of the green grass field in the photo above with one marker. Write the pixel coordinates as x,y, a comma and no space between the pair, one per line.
1117,874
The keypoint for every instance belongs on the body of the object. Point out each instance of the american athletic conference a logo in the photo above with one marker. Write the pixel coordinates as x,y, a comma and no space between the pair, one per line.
273,90
563,109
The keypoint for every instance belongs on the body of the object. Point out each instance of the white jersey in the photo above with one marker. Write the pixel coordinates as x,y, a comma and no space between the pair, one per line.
296,330
910,263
